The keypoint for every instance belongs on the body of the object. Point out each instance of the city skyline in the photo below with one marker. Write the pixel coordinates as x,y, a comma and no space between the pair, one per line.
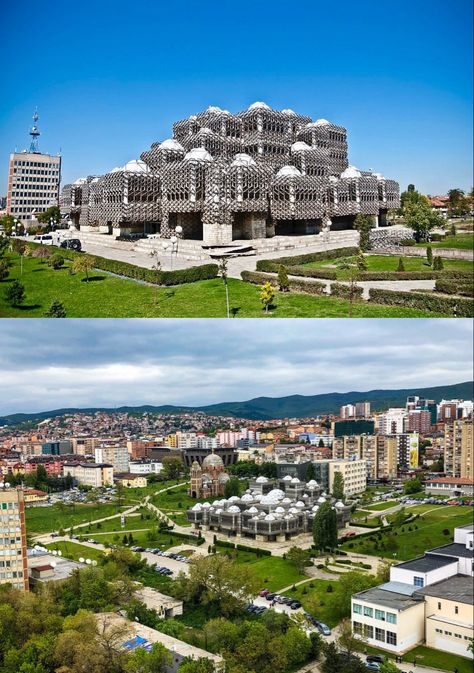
87,363
405,100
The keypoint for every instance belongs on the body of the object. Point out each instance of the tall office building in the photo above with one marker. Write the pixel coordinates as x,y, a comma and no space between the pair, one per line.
33,180
13,558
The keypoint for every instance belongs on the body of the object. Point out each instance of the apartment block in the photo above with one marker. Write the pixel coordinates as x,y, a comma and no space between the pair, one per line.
392,422
116,455
90,474
354,473
13,558
458,453
33,184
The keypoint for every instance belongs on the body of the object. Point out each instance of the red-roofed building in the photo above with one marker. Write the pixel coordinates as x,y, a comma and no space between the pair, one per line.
439,204
450,486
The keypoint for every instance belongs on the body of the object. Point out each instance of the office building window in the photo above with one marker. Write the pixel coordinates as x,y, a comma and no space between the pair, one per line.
368,631
357,627
368,612
357,609
391,618
391,638
380,635
380,614
418,581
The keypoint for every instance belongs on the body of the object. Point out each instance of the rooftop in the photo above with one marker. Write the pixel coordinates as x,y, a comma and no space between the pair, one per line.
426,563
457,588
450,480
396,600
454,549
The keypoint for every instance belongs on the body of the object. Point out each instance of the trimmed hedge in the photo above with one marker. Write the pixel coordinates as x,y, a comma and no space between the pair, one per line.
461,308
464,288
340,290
309,287
177,277
408,242
265,264
191,539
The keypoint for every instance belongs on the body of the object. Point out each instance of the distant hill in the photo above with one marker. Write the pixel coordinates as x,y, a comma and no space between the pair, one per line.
267,408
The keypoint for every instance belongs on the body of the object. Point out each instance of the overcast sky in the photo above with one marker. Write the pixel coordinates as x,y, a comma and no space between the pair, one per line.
48,364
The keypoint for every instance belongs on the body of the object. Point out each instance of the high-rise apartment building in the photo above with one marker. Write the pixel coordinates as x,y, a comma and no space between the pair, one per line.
33,180
13,558
392,422
117,456
362,409
419,420
347,411
458,453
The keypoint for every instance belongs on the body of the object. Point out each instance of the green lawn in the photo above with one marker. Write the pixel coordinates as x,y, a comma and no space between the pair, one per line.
315,592
386,263
272,572
425,656
414,538
163,540
45,519
111,297
75,551
132,522
461,241
380,506
175,502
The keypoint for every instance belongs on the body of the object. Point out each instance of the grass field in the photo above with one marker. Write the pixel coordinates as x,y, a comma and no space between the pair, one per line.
461,241
386,263
46,519
174,503
132,522
380,506
425,656
75,551
163,540
414,538
111,297
272,572
315,592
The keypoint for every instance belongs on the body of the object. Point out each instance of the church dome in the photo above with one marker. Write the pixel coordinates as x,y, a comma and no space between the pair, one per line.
295,480
300,146
312,484
289,112
233,509
224,477
212,460
135,166
340,504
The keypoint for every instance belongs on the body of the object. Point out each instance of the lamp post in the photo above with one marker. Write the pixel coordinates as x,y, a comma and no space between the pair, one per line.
166,245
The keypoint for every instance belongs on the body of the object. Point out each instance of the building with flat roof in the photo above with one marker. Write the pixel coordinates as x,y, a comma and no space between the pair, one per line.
165,606
90,474
13,554
454,486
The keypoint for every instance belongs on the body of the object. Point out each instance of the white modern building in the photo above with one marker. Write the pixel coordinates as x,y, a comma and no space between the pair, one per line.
392,422
116,455
90,474
145,467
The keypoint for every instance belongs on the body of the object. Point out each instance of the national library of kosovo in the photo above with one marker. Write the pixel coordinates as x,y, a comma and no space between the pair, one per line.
224,177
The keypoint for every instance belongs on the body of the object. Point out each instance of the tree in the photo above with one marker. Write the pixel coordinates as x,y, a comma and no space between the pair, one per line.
401,265
438,264
52,213
300,558
172,467
232,487
83,264
202,665
283,282
429,255
267,295
412,486
310,471
42,253
361,261
15,293
363,224
7,223
456,201
223,275
56,262
389,667
155,661
4,269
325,527
341,662
56,310
420,217
338,486
346,640
217,580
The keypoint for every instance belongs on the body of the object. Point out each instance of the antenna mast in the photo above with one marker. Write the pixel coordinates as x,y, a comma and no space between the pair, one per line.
34,133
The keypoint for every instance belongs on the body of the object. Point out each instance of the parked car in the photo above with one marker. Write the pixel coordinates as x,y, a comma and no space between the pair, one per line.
44,239
72,244
270,596
324,629
294,605
372,666
263,592
378,658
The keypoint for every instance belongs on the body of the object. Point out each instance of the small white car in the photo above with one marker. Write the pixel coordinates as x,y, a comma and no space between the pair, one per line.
44,239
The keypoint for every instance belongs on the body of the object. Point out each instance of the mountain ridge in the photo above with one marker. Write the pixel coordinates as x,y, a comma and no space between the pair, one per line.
269,408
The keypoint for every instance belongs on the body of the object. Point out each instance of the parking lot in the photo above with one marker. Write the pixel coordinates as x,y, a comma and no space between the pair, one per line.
175,565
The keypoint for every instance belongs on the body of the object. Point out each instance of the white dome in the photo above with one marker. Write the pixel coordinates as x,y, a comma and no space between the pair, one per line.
192,117
136,166
243,159
261,480
233,509
321,499
315,508
280,510
234,498
223,477
219,511
206,131
294,510
259,105
286,171
117,169
217,110
198,154
321,122
332,179
80,181
286,501
258,497
252,510
197,507
269,517
312,484
287,478
276,493
289,112
216,503
379,176
246,497
205,505
325,495
300,146
171,144
351,172
295,480
299,504
340,504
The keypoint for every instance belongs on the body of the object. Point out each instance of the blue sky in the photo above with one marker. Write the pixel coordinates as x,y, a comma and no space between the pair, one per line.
196,362
110,77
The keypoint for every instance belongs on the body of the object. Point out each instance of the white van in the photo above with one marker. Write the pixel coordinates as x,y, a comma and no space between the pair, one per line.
44,239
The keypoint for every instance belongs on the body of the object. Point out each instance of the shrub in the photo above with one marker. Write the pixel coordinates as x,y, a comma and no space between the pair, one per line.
437,237
438,264
56,310
408,242
56,262
4,265
461,287
273,264
283,282
15,293
401,266
429,255
309,287
457,307
345,291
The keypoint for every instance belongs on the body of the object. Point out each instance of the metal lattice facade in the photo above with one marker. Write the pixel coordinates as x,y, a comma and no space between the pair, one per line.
225,177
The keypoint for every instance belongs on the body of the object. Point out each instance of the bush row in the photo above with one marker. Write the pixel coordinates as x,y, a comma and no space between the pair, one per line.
340,290
242,547
463,308
309,287
191,539
464,288
271,265
177,277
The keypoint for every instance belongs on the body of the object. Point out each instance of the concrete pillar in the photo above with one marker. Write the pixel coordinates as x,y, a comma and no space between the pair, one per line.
216,234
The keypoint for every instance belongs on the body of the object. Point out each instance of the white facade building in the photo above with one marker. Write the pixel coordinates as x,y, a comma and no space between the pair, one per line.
116,455
145,467
90,474
392,422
